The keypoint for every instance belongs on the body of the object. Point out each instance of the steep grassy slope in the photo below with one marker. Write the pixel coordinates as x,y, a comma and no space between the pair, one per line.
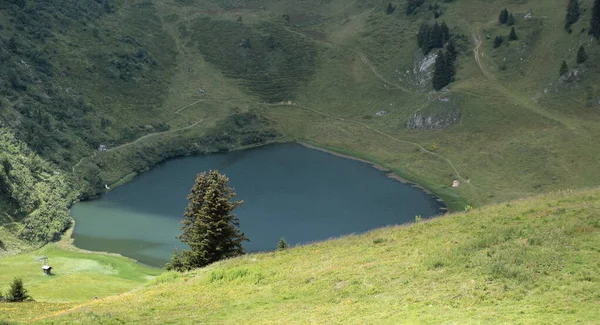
531,261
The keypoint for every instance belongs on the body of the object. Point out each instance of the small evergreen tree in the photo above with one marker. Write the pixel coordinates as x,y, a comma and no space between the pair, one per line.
17,292
390,9
573,12
513,35
581,55
595,22
209,228
498,41
176,263
503,18
563,68
282,244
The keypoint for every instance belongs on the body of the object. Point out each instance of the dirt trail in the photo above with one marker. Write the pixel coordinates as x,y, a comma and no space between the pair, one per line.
515,97
135,141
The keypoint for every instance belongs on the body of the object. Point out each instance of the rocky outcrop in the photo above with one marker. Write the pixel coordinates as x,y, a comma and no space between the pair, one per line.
439,116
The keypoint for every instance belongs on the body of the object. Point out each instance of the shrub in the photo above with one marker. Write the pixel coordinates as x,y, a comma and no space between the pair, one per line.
17,292
282,245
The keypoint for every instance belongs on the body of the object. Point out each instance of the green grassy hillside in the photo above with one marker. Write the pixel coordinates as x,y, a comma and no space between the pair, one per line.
530,261
155,79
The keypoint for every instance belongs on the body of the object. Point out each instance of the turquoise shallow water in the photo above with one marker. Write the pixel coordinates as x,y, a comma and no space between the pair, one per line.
289,190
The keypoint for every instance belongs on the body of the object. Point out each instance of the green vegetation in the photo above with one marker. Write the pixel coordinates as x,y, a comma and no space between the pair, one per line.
513,35
282,244
564,68
153,80
17,292
210,228
595,21
128,75
78,276
573,13
530,261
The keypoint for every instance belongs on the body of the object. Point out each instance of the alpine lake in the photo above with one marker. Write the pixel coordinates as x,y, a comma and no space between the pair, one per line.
289,190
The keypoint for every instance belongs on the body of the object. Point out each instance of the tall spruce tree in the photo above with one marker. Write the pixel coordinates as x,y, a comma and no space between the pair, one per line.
581,55
503,18
573,12
445,32
563,69
595,22
513,35
210,228
440,73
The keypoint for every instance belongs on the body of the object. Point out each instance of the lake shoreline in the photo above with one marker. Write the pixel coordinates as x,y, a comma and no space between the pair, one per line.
389,173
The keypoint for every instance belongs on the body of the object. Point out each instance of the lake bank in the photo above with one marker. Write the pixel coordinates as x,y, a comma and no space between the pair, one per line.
290,190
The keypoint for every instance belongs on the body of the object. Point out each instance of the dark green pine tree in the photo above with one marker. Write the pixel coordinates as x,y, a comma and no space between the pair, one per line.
17,292
510,20
210,228
503,18
445,32
572,13
563,68
282,244
581,55
498,41
436,37
595,22
423,38
513,35
440,74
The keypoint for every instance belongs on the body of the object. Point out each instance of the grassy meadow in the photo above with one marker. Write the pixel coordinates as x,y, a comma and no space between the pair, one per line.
529,261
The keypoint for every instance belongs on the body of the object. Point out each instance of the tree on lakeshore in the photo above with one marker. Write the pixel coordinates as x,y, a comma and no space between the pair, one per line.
209,228
581,55
282,244
572,13
595,22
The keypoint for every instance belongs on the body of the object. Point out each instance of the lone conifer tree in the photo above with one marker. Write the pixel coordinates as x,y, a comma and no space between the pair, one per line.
209,228
498,41
563,68
513,35
595,22
572,13
581,55
503,18
17,292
